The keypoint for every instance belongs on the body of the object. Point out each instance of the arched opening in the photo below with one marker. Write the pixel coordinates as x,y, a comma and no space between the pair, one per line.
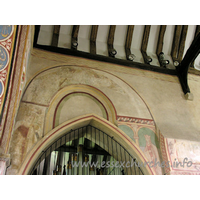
87,136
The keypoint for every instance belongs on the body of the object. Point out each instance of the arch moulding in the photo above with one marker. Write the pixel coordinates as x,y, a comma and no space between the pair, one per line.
78,122
90,90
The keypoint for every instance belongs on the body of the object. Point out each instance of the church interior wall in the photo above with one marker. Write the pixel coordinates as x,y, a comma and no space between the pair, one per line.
149,106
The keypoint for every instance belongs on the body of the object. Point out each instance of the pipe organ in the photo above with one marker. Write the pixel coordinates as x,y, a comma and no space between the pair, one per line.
88,151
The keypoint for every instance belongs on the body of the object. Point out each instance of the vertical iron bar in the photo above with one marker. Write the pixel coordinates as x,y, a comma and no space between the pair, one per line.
50,161
69,152
125,159
82,135
95,135
130,164
39,166
112,152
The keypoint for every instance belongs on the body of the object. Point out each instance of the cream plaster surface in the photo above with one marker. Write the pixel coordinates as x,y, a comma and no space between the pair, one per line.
174,116
125,99
134,92
78,105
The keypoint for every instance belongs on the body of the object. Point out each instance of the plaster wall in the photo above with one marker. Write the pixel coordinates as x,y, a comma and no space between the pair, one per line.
174,116
133,92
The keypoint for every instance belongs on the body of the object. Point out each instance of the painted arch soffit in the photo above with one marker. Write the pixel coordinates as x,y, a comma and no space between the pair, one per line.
74,89
124,97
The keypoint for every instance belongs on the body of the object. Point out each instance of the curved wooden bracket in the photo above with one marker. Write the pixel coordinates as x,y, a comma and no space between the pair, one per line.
147,59
182,68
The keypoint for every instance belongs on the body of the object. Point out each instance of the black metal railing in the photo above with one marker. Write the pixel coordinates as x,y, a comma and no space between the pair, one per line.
101,153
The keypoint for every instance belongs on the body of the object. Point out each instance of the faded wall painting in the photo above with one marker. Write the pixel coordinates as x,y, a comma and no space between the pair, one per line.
148,144
126,129
26,57
27,131
142,132
184,156
123,97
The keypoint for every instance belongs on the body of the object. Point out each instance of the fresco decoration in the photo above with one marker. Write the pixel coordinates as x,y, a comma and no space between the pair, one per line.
26,57
135,120
7,39
164,154
134,124
5,31
27,131
1,88
142,132
126,129
4,58
184,156
148,143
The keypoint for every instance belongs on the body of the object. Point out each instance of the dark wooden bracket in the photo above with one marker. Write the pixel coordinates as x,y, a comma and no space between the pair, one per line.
182,68
129,55
196,33
147,59
159,51
74,41
175,44
111,51
93,37
54,41
182,43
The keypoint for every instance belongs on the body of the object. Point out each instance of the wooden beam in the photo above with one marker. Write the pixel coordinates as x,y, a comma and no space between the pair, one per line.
74,41
129,41
190,56
93,37
65,51
159,50
182,42
75,31
56,30
129,36
161,39
37,31
145,39
147,59
110,41
196,33
175,44
111,34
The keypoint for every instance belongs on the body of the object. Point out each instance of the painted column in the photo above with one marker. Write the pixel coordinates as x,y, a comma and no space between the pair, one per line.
17,59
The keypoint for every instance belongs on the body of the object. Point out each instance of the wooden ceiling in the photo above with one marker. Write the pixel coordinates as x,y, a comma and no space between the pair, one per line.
158,48
158,45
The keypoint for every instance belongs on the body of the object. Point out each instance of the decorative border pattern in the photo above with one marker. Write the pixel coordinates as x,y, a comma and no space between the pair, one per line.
7,38
14,88
135,120
164,153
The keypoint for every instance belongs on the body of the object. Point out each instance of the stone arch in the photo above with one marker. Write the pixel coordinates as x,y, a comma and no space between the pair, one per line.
81,121
71,89
48,87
